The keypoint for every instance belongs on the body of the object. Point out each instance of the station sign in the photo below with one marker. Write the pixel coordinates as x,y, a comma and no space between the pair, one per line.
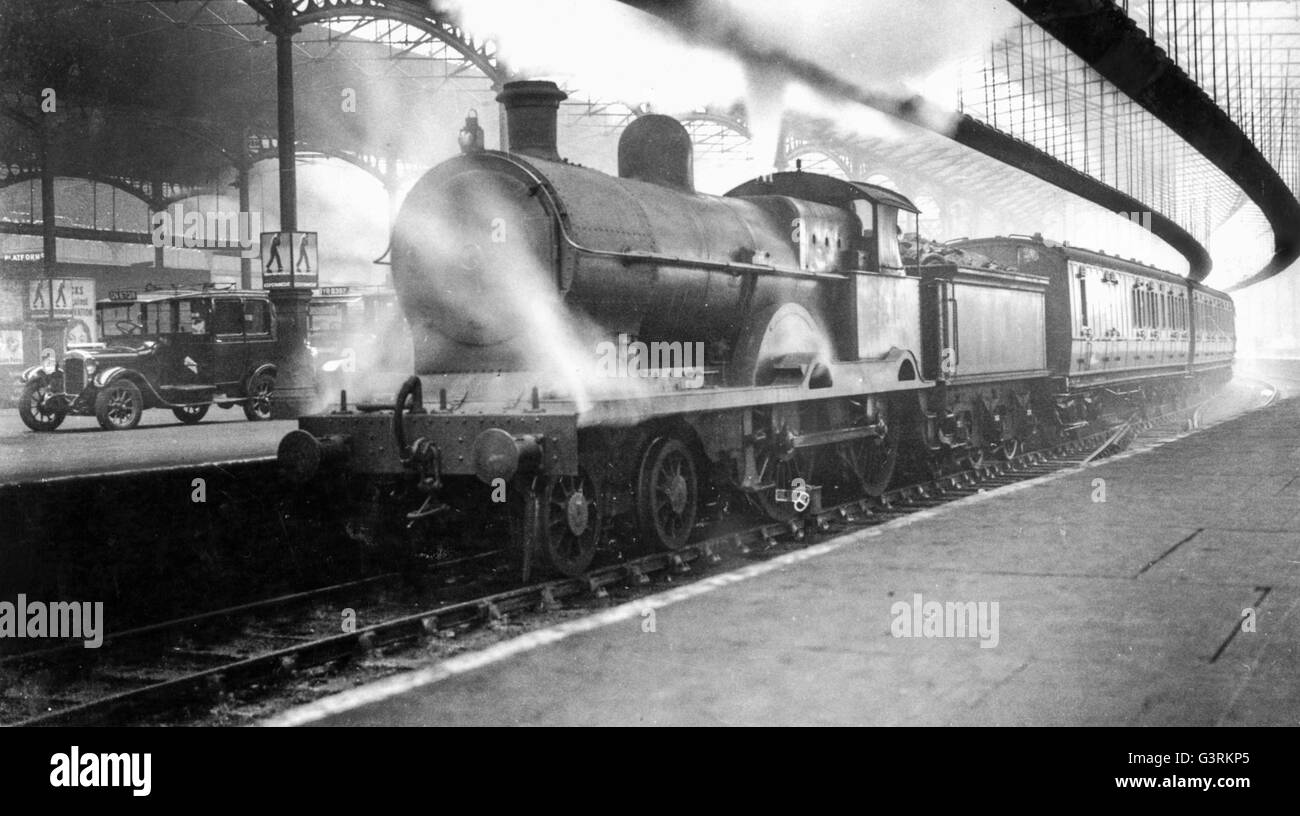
289,260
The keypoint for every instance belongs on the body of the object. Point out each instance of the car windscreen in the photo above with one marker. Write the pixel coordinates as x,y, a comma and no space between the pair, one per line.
120,320
331,317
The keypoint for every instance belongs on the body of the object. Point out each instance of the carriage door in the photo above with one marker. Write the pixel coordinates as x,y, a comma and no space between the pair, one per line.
1083,353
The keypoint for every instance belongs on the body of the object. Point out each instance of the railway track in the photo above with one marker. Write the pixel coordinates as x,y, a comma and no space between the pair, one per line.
169,681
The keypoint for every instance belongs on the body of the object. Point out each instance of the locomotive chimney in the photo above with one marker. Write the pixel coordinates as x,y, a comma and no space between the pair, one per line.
657,149
531,112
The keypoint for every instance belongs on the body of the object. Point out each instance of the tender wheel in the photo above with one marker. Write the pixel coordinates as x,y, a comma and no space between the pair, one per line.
975,439
667,494
258,405
571,525
118,406
190,414
40,406
1009,449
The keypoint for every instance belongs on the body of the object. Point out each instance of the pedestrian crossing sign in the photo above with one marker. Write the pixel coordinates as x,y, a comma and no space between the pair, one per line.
289,260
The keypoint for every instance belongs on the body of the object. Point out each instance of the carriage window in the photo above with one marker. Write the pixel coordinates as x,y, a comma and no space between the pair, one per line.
1083,299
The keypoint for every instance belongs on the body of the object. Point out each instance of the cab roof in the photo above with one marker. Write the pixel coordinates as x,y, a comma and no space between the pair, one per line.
825,189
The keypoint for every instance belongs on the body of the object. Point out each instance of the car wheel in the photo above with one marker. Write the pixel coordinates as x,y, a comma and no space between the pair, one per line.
258,405
190,414
118,406
39,408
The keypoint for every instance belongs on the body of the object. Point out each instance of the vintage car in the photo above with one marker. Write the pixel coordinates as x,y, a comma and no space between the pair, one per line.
355,335
353,328
186,350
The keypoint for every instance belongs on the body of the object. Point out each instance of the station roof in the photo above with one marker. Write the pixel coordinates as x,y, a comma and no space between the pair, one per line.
176,93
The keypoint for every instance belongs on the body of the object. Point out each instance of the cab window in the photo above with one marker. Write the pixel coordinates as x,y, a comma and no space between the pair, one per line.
160,318
887,235
325,317
257,317
193,316
227,317
867,215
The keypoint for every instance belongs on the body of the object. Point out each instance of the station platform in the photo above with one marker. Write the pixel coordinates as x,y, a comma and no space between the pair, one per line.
80,448
1127,611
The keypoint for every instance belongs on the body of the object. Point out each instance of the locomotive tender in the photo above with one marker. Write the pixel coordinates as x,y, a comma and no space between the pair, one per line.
829,343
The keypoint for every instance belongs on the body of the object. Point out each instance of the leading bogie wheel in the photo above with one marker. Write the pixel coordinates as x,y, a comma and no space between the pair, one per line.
570,525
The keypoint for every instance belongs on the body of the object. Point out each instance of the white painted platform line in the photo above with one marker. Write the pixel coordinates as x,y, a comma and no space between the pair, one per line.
400,684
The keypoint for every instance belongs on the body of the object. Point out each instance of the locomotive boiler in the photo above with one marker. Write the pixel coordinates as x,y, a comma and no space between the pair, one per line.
826,345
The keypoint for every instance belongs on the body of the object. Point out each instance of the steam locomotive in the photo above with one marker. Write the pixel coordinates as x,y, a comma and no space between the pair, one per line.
829,345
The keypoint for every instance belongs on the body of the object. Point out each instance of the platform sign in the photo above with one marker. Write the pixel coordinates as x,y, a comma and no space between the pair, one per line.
289,260
72,298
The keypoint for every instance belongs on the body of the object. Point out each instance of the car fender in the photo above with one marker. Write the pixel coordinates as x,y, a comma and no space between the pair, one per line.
113,373
106,375
32,373
268,368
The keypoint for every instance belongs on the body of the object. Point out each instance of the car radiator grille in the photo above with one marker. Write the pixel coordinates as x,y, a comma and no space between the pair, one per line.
74,375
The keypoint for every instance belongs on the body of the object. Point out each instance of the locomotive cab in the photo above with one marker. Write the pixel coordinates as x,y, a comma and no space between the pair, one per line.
880,233
875,247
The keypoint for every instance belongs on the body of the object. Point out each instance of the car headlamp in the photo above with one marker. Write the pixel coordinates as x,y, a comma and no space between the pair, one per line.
91,366
49,361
